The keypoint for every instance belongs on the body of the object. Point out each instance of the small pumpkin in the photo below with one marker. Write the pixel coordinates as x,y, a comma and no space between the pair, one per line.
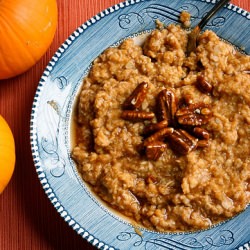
27,28
7,154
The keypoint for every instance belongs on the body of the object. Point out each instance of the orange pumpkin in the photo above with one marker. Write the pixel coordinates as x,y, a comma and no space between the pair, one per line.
27,28
7,154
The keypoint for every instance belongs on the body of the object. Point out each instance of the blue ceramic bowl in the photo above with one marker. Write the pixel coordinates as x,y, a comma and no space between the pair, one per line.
51,125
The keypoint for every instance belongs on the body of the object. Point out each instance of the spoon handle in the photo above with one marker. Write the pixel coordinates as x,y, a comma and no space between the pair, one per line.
210,14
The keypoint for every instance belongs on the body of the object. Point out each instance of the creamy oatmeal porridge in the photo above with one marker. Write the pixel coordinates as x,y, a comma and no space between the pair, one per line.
165,138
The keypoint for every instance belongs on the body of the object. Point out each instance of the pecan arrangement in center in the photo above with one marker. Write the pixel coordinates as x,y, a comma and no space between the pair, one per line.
178,126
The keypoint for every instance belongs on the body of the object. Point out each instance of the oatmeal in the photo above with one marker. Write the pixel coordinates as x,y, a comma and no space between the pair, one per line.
195,172
185,18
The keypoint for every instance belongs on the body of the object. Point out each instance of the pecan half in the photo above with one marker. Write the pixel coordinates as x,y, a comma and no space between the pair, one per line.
182,142
153,127
166,106
194,114
136,98
159,135
155,149
201,133
133,115
203,85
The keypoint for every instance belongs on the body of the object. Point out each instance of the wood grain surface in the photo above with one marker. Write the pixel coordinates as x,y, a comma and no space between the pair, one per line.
27,218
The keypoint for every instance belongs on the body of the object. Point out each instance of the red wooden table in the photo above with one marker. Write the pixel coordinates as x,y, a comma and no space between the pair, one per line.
27,218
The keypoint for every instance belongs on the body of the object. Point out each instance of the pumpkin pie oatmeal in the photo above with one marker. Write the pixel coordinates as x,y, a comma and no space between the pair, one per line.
164,138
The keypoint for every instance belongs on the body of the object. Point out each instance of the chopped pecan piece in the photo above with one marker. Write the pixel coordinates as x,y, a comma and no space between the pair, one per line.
155,149
201,133
133,115
136,98
194,114
202,143
203,85
167,106
182,142
151,128
159,135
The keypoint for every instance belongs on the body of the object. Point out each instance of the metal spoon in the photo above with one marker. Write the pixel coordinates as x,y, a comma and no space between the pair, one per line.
193,35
